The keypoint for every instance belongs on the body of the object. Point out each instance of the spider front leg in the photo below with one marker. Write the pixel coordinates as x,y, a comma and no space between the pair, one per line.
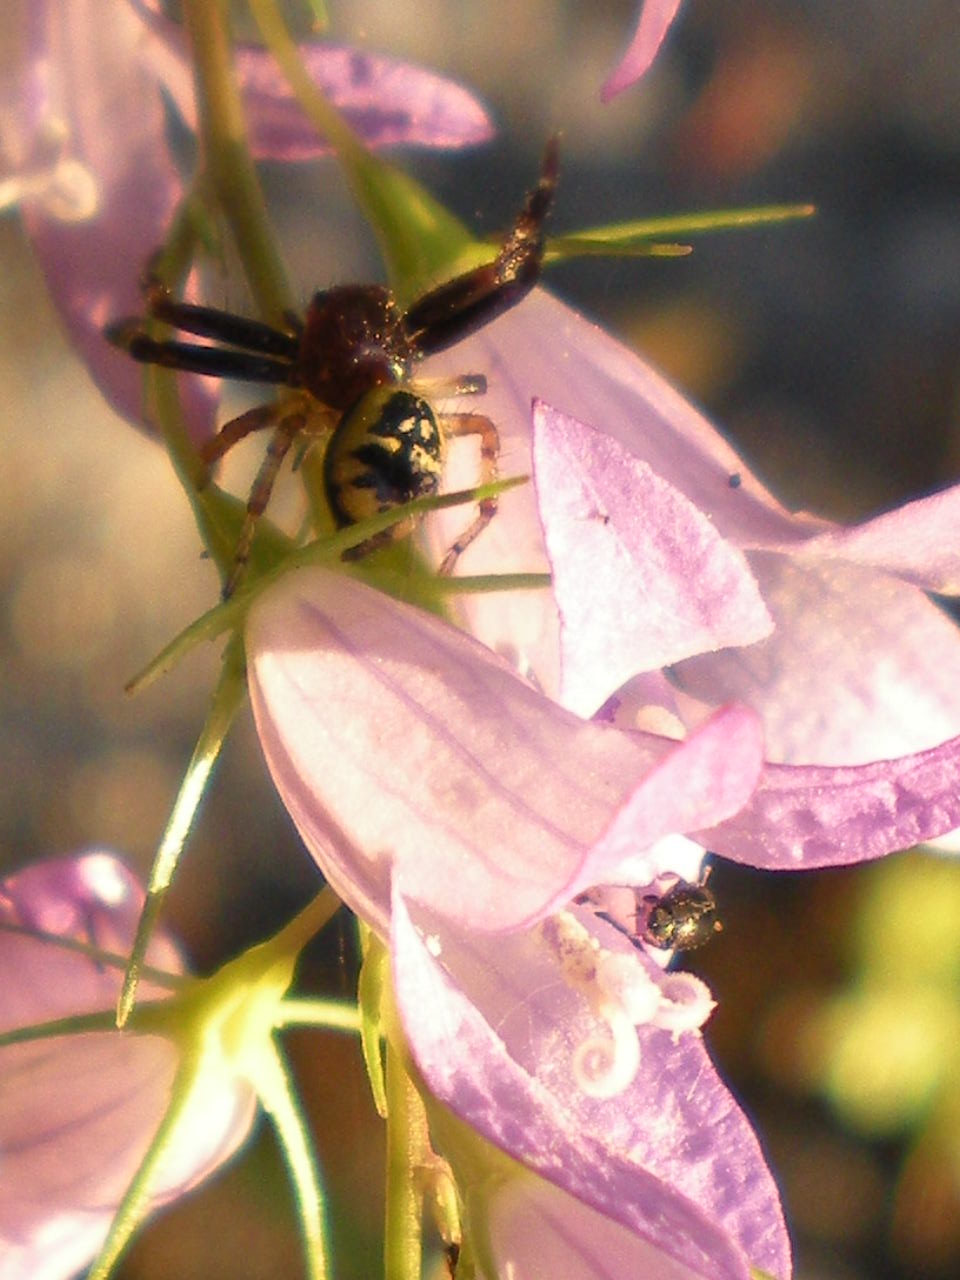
454,310
474,424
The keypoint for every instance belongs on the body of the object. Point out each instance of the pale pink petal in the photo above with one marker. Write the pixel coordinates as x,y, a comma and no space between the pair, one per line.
920,542
671,1159
715,770
861,666
652,25
78,1112
544,350
402,746
801,817
641,578
535,1229
96,78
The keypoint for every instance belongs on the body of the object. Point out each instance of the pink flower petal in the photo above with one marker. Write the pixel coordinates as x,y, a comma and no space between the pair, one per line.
861,666
652,25
672,1159
803,817
920,542
641,578
78,1112
92,898
401,746
386,102
715,770
544,350
93,53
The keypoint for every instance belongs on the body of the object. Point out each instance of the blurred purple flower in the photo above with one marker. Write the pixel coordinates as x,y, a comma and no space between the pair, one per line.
653,22
95,77
78,1111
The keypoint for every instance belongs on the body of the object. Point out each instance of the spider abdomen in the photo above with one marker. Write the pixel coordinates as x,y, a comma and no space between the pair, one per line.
387,450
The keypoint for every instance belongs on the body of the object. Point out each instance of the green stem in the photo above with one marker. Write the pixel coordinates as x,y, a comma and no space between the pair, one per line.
227,699
293,937
420,239
329,1015
134,1205
407,1143
227,157
279,1099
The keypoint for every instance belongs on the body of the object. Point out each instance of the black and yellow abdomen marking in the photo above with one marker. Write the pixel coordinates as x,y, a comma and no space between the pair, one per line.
387,450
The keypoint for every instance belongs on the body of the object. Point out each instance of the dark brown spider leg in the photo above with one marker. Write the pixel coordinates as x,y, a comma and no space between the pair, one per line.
256,419
211,322
287,431
223,326
449,313
470,424
246,366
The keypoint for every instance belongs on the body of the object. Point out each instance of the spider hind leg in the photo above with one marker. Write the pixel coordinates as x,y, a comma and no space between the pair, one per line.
470,424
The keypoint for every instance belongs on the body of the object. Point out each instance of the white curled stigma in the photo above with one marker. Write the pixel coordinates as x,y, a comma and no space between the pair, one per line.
622,995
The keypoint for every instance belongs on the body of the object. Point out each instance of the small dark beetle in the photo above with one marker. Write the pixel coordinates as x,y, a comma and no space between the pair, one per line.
683,918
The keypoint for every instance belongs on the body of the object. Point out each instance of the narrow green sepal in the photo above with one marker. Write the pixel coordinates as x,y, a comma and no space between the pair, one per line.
373,977
615,237
561,248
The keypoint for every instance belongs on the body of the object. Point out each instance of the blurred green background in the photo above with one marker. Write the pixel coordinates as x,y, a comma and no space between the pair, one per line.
828,351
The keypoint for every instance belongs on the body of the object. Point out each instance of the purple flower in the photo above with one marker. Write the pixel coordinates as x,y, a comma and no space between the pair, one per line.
95,77
78,1110
826,631
454,805
660,1177
430,781
653,22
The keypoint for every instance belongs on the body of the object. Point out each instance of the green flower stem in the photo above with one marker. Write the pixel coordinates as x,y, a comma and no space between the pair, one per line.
293,937
278,1096
420,239
227,699
330,1015
228,161
133,1206
408,1150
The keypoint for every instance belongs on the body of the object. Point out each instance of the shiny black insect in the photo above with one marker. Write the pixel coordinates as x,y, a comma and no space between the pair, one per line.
682,919
349,366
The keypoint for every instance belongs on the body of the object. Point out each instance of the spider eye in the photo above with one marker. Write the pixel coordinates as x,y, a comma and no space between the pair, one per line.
387,450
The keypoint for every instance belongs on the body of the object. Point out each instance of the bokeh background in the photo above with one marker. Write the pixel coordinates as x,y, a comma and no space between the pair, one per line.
827,350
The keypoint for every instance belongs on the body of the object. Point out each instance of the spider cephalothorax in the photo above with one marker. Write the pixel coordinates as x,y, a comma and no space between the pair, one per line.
349,365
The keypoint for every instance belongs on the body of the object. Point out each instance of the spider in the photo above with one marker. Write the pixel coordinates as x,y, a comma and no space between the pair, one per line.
349,365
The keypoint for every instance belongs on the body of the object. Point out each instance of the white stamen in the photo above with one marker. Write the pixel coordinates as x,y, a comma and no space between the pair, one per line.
685,1003
603,1066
